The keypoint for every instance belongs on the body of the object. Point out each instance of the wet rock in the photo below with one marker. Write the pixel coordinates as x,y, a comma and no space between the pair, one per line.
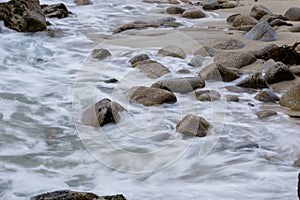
219,73
267,95
262,51
173,51
293,14
242,20
291,98
236,89
23,15
280,22
265,114
56,10
296,70
232,98
193,14
83,2
228,44
193,125
255,81
100,54
150,96
180,85
113,80
137,58
227,5
231,18
234,59
262,32
277,72
175,10
207,95
72,195
184,71
197,61
151,68
211,5
246,145
103,112
259,11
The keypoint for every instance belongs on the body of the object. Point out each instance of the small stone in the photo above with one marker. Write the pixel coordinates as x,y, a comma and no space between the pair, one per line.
173,51
219,73
291,98
100,54
175,10
267,95
227,5
231,18
113,80
151,68
193,125
228,44
83,2
257,12
197,61
232,98
193,14
242,20
207,95
184,71
265,114
246,145
255,81
211,5
137,58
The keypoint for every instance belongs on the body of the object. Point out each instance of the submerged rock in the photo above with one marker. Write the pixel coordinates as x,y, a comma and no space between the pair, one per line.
180,85
23,15
103,112
193,125
262,32
291,98
255,81
257,12
293,14
100,54
150,96
151,68
219,73
173,51
267,95
234,59
265,114
56,10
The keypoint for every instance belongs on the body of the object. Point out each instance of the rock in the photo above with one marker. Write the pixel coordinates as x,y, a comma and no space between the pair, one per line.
277,72
280,22
100,54
259,11
255,81
234,59
219,73
297,163
56,10
267,95
184,71
193,14
271,17
103,112
113,80
228,44
202,52
137,58
295,70
231,18
211,51
175,10
291,98
193,125
150,96
262,32
244,28
246,145
180,85
207,95
211,5
227,5
23,15
293,14
232,98
293,114
173,2
173,51
265,114
197,61
83,2
242,20
72,195
262,51
295,28
236,89
151,68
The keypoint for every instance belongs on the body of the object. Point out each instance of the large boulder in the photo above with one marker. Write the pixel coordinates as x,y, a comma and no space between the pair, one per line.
73,195
150,96
267,95
103,112
234,59
228,44
151,68
193,14
255,81
291,98
243,20
262,32
23,15
293,14
219,73
277,72
193,125
257,12
173,51
180,85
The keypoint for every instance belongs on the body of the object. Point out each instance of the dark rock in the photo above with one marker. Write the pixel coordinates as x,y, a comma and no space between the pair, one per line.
232,98
137,58
56,10
280,22
277,72
103,112
265,114
184,71
23,15
262,32
259,11
211,5
242,20
113,80
263,51
100,54
180,85
197,61
234,59
83,2
267,95
173,51
151,68
236,89
271,17
193,14
150,96
219,73
293,14
207,95
72,195
193,125
175,10
228,44
246,145
255,81
291,98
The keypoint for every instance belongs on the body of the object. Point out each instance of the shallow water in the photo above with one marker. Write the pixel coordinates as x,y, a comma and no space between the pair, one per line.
46,82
